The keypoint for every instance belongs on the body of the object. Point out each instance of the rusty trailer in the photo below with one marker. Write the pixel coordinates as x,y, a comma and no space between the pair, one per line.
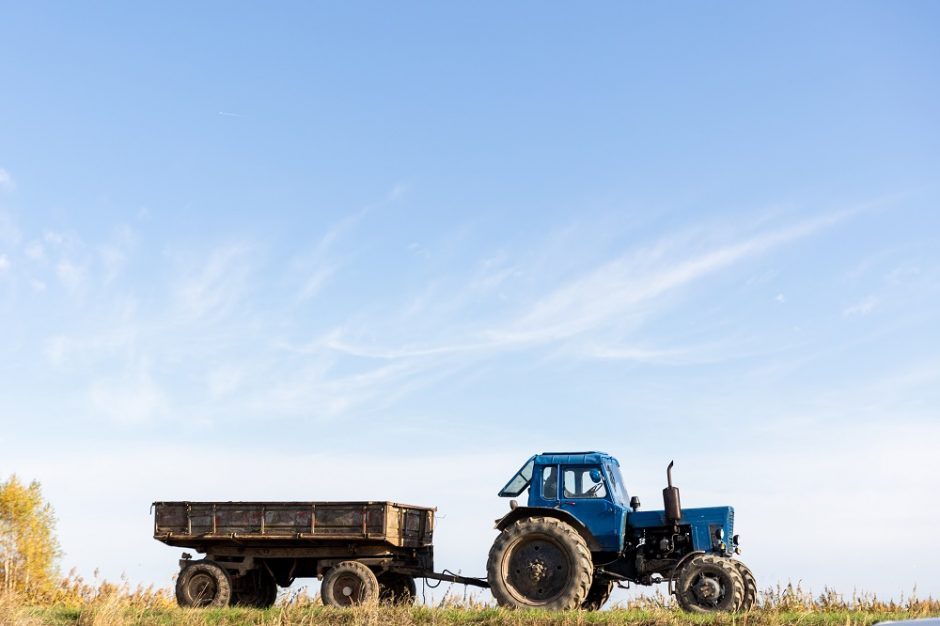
363,552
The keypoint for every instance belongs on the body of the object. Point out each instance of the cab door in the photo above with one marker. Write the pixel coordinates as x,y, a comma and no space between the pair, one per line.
586,494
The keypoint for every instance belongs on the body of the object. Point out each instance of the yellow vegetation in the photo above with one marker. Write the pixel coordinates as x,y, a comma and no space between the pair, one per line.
28,546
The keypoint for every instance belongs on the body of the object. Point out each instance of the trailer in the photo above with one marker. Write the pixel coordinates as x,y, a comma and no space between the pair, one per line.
364,552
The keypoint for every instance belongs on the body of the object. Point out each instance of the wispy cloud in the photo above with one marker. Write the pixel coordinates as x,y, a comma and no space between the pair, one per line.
219,284
618,289
596,314
9,232
6,180
619,292
71,275
861,308
130,398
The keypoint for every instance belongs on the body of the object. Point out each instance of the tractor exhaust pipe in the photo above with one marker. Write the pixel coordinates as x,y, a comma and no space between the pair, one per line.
671,498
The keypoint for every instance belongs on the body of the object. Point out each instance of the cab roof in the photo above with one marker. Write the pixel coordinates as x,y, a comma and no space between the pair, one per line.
521,479
573,458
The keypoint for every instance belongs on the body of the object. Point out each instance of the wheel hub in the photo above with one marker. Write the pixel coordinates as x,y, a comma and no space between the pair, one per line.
202,589
349,588
707,589
539,570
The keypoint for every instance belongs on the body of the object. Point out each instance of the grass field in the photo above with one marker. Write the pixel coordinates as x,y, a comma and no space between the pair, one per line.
118,605
323,616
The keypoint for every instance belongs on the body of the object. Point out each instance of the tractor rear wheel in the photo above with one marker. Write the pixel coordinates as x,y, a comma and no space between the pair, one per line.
540,562
203,583
598,594
750,587
349,583
709,584
397,589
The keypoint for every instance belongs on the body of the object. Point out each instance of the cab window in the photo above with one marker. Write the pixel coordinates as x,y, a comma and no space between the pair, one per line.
584,482
550,482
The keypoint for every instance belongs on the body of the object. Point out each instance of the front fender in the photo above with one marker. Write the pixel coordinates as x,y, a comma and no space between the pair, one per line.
523,512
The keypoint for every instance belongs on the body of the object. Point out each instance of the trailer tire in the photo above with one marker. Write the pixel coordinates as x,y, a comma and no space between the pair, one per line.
257,589
203,583
349,583
709,584
397,589
750,587
598,594
540,562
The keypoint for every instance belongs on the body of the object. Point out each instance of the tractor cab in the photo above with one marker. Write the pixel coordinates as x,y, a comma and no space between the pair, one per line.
587,486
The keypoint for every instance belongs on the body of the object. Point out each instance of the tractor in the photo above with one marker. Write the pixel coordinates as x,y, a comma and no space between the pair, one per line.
581,533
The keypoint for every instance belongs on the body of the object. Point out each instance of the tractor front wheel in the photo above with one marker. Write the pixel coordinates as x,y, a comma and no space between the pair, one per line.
750,586
540,562
709,584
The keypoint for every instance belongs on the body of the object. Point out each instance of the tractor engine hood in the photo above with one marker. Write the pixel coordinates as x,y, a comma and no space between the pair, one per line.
712,528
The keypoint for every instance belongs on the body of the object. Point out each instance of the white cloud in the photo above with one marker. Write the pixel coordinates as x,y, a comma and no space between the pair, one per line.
780,298
132,398
71,276
4,263
315,282
6,180
35,251
223,381
617,293
219,285
397,191
618,289
861,308
9,233
113,255
316,267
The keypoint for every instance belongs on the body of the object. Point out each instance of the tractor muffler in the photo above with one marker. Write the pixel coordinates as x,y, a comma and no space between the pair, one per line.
671,498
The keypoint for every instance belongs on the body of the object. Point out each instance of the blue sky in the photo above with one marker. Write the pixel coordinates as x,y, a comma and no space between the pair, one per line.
355,251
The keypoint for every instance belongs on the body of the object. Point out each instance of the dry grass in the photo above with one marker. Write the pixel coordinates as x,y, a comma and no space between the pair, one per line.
78,603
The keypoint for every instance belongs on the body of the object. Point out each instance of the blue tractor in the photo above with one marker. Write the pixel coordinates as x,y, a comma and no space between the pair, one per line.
581,533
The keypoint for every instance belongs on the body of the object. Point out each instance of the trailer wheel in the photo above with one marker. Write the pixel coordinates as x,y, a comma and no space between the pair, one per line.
203,583
598,594
397,589
349,583
540,562
750,587
256,589
709,584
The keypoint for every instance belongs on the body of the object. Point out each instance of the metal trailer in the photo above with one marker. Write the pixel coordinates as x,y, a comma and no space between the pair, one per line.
363,552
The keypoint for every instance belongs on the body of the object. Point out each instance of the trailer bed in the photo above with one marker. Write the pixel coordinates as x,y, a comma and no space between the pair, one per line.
292,524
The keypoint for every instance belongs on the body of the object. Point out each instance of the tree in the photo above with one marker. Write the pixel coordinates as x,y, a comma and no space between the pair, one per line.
28,545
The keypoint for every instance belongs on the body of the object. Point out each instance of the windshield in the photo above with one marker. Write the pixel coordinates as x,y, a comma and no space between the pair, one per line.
620,491
520,481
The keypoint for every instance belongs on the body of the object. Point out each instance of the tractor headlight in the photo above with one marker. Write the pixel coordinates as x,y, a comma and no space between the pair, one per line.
719,533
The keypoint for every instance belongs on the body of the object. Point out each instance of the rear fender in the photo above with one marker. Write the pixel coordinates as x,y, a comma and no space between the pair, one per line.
523,512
